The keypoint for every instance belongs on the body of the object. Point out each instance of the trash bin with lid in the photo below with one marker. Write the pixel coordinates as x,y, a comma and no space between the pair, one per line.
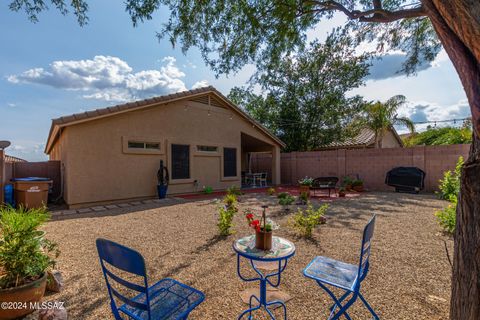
31,192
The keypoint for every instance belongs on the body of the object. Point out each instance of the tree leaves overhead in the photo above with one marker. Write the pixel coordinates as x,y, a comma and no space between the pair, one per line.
231,34
34,7
305,102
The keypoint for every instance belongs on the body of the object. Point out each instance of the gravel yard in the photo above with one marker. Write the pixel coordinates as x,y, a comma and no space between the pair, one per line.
409,276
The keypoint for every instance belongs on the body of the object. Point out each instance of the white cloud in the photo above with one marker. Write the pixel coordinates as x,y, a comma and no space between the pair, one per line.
106,78
200,84
11,105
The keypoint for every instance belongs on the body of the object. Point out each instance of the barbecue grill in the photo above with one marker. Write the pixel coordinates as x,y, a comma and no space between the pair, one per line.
406,179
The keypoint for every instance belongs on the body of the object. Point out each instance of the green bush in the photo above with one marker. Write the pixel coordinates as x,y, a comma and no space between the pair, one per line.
450,184
305,221
440,136
207,190
225,219
24,252
226,214
234,190
448,217
230,201
271,191
286,200
282,195
303,197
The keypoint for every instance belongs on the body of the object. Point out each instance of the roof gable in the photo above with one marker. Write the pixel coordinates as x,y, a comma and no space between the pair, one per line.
206,95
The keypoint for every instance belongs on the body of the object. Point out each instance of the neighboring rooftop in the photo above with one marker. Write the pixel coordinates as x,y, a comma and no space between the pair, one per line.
13,159
365,139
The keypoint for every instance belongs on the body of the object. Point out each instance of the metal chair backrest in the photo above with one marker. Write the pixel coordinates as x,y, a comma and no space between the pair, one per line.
264,175
365,250
127,260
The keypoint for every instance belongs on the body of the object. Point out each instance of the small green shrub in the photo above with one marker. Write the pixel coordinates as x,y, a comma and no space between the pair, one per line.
282,195
450,184
24,252
234,190
305,221
303,197
448,217
286,200
271,191
225,219
357,182
207,190
230,201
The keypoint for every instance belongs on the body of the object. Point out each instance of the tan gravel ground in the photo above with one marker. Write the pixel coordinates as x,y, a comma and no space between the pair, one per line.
409,277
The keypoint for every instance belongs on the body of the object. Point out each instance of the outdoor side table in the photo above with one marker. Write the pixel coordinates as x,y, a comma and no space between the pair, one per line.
282,250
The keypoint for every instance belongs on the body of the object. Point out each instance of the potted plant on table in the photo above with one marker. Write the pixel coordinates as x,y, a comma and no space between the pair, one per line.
25,257
305,184
263,229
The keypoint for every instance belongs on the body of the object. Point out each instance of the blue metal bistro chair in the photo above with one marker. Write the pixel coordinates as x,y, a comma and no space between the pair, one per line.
166,299
327,271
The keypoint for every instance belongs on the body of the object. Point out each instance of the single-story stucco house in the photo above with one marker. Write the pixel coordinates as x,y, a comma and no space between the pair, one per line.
113,154
366,139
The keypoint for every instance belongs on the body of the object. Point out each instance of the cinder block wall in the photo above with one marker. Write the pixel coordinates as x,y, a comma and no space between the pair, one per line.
370,164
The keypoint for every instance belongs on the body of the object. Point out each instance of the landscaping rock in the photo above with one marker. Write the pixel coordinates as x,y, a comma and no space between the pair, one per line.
52,314
54,281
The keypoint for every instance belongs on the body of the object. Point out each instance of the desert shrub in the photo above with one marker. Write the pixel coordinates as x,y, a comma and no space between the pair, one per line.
24,252
225,218
303,197
448,217
286,200
282,195
356,182
271,191
234,190
305,220
307,181
450,184
230,201
207,190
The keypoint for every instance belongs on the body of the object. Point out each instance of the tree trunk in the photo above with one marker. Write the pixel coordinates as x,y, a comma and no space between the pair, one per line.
457,24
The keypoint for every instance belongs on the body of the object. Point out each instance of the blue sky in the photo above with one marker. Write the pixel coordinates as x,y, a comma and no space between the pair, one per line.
55,67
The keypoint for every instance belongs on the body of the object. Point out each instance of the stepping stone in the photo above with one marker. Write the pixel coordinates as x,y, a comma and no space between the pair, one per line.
84,210
135,203
111,206
69,212
99,208
147,201
124,205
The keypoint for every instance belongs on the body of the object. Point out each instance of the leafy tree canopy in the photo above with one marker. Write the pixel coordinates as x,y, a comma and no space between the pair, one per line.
305,102
440,136
231,34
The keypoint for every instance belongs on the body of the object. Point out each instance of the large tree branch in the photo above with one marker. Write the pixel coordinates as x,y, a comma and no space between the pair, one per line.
377,14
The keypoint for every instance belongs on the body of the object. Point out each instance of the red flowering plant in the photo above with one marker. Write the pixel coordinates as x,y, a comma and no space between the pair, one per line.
262,224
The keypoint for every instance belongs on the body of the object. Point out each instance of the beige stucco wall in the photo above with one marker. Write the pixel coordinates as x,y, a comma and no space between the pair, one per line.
390,141
99,168
60,152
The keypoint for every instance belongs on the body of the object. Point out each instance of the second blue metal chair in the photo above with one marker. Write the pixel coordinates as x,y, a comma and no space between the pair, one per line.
329,272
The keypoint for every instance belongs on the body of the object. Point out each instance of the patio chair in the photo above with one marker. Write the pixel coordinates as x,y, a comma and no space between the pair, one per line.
327,271
166,299
263,179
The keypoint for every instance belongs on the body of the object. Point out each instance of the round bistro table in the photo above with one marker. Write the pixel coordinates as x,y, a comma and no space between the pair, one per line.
281,251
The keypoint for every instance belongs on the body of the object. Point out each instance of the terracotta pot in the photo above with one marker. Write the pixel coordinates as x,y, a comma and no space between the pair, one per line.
263,240
358,188
22,296
305,189
348,187
341,194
